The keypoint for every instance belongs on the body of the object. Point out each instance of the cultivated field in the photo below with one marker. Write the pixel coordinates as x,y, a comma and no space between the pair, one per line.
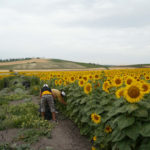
110,107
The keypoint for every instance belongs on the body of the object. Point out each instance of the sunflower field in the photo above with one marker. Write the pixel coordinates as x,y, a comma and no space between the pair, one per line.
110,107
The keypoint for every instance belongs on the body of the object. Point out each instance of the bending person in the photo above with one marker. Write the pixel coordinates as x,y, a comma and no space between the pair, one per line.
47,96
59,95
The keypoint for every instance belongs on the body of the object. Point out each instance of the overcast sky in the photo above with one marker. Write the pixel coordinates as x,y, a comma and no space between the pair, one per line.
100,31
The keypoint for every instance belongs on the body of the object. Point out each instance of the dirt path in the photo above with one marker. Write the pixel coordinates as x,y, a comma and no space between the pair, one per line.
65,135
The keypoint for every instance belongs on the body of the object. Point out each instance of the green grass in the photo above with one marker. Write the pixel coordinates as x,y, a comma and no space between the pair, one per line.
90,65
135,66
59,60
86,65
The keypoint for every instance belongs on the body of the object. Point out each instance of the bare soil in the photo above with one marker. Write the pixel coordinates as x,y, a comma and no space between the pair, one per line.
65,136
7,136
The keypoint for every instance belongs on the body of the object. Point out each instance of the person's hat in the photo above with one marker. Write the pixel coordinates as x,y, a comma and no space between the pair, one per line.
63,93
45,85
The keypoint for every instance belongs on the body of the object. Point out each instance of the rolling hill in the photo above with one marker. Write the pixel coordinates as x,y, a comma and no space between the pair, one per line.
50,64
40,63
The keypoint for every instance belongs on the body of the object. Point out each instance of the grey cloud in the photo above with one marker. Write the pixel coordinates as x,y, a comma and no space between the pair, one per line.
104,31
84,13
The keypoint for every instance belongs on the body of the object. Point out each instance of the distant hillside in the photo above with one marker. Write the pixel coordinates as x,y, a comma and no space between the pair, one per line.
39,63
44,64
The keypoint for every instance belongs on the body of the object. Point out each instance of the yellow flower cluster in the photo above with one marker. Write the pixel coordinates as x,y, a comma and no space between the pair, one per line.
132,84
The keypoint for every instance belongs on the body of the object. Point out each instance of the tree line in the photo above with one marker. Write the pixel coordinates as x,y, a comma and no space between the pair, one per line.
14,59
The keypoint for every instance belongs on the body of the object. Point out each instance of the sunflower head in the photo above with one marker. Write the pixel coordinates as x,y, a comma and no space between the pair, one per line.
106,86
96,76
93,148
81,82
80,77
145,87
85,78
59,81
120,93
133,93
117,81
96,118
147,77
56,82
108,129
87,88
94,138
72,79
129,80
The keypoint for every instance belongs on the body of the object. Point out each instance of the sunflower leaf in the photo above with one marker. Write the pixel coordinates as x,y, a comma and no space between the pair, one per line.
141,113
131,107
124,122
124,145
83,100
115,111
144,104
104,101
145,131
119,136
145,145
133,132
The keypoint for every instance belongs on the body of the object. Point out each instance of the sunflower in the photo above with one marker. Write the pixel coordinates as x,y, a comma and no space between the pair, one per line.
133,93
58,76
85,78
60,81
56,82
129,80
138,79
108,129
93,148
87,88
147,77
65,78
90,77
81,83
79,77
145,87
96,118
72,79
106,86
94,138
117,81
96,76
119,92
